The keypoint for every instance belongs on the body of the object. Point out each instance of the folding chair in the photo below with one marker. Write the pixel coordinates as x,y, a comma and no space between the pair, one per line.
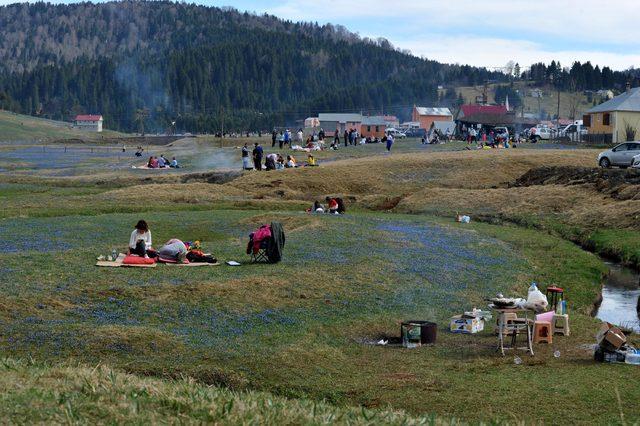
261,255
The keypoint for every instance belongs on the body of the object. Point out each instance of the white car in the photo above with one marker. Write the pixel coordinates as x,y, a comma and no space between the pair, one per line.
396,133
539,132
622,155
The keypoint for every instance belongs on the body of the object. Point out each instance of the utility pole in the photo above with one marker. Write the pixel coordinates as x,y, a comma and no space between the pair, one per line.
558,111
485,96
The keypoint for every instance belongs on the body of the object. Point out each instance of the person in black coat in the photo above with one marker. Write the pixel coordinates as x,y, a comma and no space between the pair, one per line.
257,156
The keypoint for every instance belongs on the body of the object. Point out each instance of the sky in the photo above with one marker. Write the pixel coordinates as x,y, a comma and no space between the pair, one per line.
481,32
486,33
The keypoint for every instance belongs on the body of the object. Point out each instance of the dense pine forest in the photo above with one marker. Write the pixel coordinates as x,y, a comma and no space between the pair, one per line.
146,65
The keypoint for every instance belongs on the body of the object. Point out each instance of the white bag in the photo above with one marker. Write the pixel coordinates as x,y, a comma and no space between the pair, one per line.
536,300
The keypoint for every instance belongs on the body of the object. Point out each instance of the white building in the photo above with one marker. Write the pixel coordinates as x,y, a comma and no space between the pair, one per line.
91,123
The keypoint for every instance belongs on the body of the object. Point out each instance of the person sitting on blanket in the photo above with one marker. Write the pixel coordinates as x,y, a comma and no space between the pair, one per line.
317,207
172,251
333,205
150,162
291,162
311,160
174,163
163,162
140,241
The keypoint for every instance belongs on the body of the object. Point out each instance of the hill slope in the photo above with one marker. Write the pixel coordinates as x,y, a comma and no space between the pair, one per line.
201,66
19,127
37,393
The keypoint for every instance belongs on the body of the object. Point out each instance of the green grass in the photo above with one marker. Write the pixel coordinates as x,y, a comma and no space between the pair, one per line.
295,329
17,127
298,329
76,394
621,245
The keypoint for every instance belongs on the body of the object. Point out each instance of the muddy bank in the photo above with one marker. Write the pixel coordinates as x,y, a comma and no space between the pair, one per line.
218,178
620,184
211,177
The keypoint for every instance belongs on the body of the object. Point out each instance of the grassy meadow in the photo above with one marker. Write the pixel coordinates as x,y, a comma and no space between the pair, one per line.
227,344
18,127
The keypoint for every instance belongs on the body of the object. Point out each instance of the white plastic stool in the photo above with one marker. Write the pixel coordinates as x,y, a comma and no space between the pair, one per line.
563,328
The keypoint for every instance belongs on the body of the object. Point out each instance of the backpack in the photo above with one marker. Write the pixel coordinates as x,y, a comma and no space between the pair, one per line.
341,207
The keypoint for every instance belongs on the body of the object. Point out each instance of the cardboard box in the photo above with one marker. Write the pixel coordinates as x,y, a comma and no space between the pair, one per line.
461,324
610,337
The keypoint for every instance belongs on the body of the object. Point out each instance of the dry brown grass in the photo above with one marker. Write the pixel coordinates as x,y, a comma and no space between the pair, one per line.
407,173
473,182
570,204
192,193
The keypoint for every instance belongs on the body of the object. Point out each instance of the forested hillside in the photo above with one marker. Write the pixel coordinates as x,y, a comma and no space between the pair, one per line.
145,65
158,62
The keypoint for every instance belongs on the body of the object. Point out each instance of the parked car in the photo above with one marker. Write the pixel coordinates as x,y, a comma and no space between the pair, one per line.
636,162
539,133
621,155
415,133
573,131
396,133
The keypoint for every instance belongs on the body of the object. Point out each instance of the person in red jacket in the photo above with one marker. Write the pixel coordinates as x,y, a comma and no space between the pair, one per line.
332,205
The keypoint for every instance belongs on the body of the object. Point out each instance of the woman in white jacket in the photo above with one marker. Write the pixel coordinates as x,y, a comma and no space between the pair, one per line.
140,241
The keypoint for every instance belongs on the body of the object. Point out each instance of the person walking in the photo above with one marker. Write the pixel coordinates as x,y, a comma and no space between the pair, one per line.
274,136
346,137
281,140
257,156
287,138
336,137
389,142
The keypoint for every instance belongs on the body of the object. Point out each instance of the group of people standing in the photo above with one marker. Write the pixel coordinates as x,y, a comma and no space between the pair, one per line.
285,138
350,137
272,161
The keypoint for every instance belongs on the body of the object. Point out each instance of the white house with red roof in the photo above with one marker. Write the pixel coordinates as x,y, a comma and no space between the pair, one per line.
89,122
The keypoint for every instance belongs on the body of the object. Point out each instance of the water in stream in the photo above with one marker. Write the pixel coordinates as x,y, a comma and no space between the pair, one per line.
620,294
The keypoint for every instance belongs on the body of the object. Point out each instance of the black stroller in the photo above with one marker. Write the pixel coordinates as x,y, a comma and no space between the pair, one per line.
266,244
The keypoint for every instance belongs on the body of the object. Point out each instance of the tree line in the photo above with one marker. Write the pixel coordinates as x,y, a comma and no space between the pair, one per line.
203,67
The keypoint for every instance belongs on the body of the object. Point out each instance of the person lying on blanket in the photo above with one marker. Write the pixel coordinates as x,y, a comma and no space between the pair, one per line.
140,241
173,250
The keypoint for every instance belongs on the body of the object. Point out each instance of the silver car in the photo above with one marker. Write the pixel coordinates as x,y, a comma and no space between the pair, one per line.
620,155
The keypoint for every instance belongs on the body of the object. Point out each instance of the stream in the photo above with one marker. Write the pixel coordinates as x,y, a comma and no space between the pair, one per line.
620,292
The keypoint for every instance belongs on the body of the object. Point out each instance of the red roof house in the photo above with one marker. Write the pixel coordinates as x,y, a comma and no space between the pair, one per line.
472,110
89,122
